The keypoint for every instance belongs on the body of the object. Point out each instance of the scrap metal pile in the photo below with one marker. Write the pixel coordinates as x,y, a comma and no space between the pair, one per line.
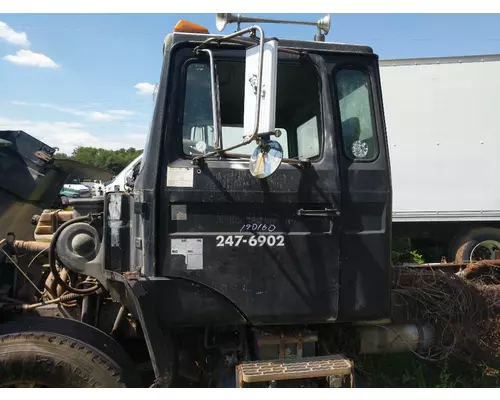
31,210
463,307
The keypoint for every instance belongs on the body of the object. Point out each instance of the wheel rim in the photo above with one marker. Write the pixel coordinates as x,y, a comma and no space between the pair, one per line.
485,250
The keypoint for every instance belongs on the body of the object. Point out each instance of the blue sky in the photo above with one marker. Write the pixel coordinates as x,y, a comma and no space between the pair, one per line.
71,79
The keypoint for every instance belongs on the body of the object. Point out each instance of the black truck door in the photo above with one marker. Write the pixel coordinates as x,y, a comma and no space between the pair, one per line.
268,247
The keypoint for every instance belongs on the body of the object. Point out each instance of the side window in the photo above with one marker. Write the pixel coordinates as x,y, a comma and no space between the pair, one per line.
297,101
358,136
198,131
308,139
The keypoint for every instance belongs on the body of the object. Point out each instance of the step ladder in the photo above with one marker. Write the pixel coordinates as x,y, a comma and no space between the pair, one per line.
336,369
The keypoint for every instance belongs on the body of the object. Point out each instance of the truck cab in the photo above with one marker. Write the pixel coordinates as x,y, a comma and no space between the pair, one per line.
309,243
119,182
257,230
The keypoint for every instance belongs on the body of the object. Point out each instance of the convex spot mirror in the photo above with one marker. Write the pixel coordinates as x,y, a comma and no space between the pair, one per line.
265,159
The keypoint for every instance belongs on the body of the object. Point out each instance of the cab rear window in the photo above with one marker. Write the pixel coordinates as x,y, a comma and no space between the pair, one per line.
356,114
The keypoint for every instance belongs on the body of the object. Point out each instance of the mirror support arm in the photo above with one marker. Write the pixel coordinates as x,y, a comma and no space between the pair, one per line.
215,89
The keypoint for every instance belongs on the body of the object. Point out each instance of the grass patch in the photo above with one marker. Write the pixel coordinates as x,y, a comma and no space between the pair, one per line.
408,371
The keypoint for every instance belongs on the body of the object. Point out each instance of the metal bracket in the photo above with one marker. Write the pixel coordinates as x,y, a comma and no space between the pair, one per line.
326,213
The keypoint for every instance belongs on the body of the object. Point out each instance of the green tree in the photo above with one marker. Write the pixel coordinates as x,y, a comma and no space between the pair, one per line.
112,160
62,156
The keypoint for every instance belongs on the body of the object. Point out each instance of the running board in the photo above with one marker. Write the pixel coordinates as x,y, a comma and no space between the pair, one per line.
334,369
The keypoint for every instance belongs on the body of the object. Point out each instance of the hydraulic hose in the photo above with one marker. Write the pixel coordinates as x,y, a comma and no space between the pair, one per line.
62,299
52,259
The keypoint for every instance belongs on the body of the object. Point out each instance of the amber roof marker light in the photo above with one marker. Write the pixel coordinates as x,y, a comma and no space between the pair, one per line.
189,27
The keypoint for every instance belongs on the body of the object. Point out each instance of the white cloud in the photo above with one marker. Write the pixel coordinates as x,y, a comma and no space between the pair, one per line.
66,110
69,135
64,135
122,140
29,59
110,115
139,127
60,109
137,140
10,35
145,88
121,112
99,116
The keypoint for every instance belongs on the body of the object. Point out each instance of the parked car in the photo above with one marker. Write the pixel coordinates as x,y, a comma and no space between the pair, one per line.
75,189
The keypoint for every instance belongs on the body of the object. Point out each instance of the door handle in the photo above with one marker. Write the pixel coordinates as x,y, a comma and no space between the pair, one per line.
326,213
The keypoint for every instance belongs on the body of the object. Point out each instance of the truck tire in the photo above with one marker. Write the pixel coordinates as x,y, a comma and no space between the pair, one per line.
39,356
466,246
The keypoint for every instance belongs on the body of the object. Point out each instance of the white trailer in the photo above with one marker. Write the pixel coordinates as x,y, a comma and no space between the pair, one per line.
442,118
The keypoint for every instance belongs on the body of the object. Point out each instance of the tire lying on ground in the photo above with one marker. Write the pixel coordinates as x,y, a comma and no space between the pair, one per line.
65,354
464,245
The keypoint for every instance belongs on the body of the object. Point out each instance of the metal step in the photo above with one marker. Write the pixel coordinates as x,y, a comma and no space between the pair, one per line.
298,368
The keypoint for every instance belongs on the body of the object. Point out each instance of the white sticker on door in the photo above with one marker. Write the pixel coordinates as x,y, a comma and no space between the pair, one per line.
178,212
180,177
191,249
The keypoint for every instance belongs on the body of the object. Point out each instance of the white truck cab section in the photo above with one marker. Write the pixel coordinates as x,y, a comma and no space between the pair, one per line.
118,184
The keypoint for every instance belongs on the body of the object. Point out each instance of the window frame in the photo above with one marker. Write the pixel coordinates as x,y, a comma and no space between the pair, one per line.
336,104
292,141
180,109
